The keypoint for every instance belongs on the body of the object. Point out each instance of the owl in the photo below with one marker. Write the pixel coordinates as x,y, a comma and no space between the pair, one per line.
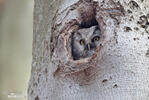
84,42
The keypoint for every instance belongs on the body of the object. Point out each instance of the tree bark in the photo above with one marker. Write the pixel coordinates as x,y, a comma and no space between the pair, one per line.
118,70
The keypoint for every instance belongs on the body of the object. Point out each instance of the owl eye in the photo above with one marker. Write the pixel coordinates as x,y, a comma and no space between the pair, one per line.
96,38
82,42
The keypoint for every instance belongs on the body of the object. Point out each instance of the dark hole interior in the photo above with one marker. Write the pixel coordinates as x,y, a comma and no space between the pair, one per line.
84,24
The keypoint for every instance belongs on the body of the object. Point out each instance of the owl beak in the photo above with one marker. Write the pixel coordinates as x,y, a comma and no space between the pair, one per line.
88,46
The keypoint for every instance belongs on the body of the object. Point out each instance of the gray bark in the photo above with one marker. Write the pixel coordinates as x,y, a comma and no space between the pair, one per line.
119,70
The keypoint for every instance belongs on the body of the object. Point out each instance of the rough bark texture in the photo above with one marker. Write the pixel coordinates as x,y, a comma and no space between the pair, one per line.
119,70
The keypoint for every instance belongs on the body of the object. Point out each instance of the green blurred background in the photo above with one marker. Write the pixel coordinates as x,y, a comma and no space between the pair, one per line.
16,30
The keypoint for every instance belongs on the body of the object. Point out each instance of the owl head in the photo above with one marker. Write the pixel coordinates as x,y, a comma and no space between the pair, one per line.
85,41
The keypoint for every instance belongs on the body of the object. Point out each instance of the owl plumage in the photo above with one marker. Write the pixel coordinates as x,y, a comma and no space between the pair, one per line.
85,41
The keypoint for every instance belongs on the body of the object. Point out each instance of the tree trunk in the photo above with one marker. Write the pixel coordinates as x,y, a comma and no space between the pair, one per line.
119,68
